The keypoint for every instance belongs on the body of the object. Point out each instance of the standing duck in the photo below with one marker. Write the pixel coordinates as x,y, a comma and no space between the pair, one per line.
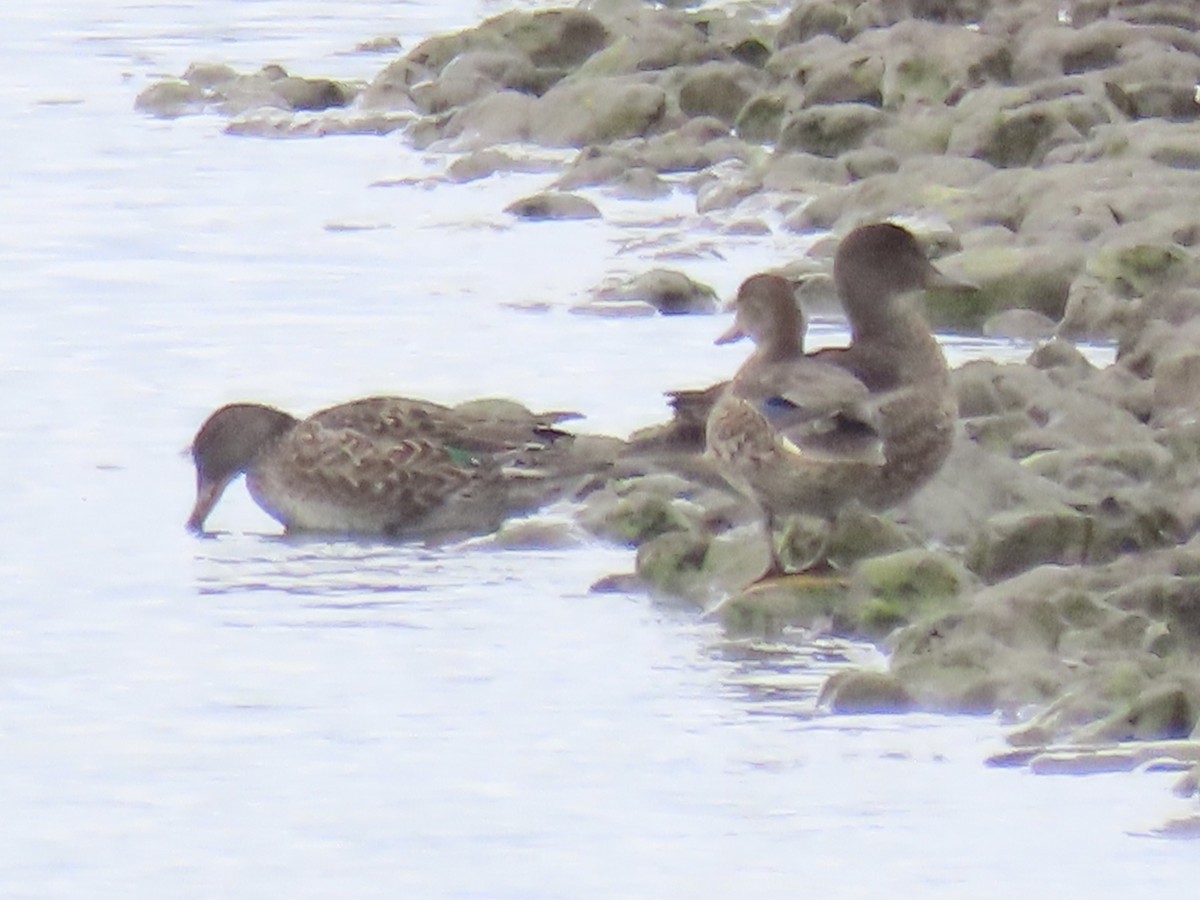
389,466
869,423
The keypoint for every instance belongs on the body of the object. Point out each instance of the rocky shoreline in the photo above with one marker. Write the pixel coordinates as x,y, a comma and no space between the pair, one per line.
1047,152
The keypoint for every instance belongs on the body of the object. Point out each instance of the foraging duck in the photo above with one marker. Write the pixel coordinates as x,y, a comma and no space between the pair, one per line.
388,466
868,423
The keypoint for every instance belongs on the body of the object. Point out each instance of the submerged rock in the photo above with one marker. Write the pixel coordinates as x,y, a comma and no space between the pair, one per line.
553,205
666,291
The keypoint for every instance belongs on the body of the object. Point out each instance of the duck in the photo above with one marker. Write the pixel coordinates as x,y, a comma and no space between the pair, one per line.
869,423
395,467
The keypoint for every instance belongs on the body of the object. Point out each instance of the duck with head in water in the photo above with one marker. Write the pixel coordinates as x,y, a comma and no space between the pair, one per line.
389,466
868,423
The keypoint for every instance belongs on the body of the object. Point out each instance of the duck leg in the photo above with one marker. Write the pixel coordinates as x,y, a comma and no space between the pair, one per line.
818,565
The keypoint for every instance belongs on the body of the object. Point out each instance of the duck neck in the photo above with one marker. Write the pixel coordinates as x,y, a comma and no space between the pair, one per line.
785,338
783,344
904,335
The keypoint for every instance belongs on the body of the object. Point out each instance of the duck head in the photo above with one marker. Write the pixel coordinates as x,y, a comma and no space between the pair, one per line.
226,445
873,266
766,312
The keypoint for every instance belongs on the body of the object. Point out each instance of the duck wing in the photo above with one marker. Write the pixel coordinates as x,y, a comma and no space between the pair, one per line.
821,409
481,426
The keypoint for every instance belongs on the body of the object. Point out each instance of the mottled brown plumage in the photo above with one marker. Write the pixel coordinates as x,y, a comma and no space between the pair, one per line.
869,423
384,465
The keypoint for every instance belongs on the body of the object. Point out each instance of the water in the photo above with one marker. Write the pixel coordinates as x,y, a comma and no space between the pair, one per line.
248,713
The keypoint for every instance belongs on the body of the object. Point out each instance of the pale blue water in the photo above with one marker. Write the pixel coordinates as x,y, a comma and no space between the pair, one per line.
248,715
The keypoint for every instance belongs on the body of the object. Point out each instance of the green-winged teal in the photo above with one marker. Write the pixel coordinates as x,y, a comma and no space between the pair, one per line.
869,423
388,466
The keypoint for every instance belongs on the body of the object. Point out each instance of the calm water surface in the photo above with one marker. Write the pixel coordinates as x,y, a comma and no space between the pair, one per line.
250,715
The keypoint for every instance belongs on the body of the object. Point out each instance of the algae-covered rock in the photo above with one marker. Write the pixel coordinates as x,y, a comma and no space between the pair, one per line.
717,89
1018,540
580,112
673,563
901,587
631,512
1138,268
807,601
1160,712
830,130
807,20
860,691
761,118
1033,278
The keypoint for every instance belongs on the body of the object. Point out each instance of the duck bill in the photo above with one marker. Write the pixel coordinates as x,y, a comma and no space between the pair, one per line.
207,495
732,334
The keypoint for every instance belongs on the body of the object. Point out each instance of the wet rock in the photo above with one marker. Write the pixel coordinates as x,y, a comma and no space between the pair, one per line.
1163,100
577,113
717,89
1031,278
761,118
1019,325
171,99
829,130
553,205
868,161
313,94
669,292
476,74
765,607
807,20
487,162
826,71
858,692
902,587
1138,268
1018,540
503,117
1014,133
633,510
217,86
1161,712
673,563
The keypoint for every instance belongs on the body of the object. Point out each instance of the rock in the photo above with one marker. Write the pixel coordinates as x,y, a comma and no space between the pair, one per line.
765,607
581,112
478,73
553,205
633,510
170,99
669,292
1019,325
1026,135
218,86
1018,540
487,162
1036,279
807,20
717,89
1161,712
858,692
902,587
761,118
829,130
1137,268
673,563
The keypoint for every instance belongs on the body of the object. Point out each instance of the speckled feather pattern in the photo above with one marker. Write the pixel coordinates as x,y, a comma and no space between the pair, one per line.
385,465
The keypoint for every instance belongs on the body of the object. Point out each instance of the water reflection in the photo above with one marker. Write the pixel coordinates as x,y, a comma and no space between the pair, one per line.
784,676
